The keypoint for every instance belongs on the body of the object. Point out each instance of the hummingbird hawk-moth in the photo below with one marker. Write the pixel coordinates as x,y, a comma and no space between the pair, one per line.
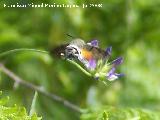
94,58
78,49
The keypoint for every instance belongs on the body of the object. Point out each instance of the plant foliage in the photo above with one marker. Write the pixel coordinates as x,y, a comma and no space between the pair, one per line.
14,112
112,113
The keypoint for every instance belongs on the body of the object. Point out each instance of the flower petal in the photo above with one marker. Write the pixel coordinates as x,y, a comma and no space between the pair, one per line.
112,77
108,50
119,75
93,43
111,72
117,61
91,64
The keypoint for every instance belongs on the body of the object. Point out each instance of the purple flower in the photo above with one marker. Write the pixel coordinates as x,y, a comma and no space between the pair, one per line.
111,75
108,50
93,43
102,68
117,61
91,64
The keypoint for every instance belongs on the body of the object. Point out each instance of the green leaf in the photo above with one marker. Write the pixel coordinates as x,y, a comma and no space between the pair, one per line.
14,112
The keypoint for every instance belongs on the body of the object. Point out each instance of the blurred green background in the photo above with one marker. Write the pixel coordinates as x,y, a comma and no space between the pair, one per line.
131,27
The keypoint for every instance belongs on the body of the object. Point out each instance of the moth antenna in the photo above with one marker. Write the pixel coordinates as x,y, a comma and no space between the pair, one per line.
70,36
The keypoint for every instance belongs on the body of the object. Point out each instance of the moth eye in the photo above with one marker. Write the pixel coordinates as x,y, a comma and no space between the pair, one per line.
76,52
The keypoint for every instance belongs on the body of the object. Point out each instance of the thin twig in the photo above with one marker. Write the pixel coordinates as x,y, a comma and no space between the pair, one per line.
54,97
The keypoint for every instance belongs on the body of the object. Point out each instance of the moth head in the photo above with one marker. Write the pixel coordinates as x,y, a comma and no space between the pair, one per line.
72,51
69,51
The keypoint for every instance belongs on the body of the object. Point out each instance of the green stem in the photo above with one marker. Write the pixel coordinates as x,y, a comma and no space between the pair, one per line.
42,51
21,49
80,67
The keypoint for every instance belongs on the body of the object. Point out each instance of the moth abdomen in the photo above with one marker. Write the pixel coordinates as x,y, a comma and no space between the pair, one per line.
59,51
